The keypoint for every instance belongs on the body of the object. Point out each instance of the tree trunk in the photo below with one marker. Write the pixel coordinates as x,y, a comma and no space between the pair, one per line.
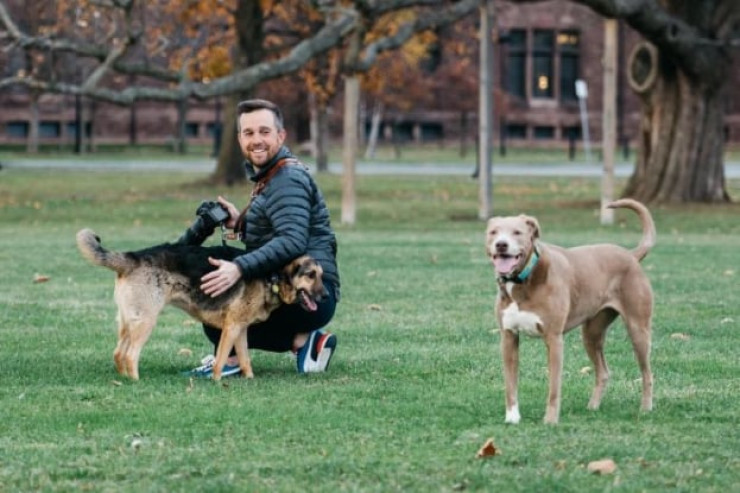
180,140
681,139
230,169
32,144
319,132
322,140
248,22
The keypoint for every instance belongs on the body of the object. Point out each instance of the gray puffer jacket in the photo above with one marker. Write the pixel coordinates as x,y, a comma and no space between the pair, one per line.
287,219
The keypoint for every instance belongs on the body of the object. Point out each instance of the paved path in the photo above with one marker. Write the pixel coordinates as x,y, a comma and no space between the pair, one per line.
732,169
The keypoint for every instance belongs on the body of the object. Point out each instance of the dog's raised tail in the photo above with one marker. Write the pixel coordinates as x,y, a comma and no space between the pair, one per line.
648,226
89,245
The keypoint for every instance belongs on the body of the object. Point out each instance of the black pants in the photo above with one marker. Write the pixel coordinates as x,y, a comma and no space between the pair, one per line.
276,334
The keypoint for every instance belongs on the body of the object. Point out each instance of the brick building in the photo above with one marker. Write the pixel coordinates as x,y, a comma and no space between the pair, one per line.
543,49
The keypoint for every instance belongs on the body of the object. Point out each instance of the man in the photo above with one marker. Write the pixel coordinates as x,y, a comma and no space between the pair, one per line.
286,217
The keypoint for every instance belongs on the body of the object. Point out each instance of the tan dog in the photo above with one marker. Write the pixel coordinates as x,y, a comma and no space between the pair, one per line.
545,291
149,279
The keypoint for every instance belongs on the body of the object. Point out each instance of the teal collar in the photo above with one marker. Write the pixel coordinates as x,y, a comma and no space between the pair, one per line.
526,271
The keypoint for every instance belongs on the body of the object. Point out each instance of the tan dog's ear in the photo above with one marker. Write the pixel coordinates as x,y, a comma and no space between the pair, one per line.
534,226
490,226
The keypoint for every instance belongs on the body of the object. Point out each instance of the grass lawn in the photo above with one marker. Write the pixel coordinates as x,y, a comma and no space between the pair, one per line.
416,386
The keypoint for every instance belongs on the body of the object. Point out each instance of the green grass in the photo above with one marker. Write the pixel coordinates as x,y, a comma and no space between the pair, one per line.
415,388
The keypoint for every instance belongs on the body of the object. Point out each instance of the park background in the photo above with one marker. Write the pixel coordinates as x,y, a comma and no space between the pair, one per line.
415,388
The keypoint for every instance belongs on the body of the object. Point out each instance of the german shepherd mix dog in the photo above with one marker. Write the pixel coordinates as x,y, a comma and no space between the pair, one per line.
149,279
546,290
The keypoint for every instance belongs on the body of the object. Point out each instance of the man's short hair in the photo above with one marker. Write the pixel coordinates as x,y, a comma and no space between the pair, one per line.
251,105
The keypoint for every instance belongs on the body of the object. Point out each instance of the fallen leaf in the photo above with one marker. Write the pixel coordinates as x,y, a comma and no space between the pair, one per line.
680,336
375,308
372,273
37,278
604,466
729,272
726,320
488,449
585,370
116,383
185,352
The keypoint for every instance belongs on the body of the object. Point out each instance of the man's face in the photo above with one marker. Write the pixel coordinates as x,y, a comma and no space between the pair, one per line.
259,138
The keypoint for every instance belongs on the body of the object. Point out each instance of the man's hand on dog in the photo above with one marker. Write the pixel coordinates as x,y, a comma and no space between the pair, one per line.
220,280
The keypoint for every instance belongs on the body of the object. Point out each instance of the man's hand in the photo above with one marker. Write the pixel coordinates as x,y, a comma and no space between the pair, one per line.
233,212
220,280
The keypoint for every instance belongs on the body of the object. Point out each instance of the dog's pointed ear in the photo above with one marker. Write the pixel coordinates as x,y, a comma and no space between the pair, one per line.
286,291
533,225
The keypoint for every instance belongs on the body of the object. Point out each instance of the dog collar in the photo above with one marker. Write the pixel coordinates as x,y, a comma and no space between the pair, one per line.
526,271
274,283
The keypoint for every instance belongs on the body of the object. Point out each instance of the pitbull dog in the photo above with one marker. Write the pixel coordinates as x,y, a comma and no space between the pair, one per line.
546,290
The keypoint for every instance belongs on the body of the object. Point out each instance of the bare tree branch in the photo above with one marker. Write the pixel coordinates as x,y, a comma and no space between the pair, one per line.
682,42
341,21
421,23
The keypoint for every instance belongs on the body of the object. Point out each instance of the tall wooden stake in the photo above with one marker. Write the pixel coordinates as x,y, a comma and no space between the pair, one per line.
485,110
349,148
609,119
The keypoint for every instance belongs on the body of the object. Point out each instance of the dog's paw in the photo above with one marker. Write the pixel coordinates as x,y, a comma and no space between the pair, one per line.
512,416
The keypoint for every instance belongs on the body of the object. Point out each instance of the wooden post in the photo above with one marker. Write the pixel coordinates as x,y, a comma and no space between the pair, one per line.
349,149
609,138
485,110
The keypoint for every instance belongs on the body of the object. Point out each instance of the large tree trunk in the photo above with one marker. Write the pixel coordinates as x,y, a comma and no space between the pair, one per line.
248,22
32,144
681,138
230,169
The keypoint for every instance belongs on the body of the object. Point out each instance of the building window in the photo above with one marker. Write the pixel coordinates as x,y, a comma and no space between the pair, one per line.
16,130
544,132
571,133
517,63
568,46
191,129
50,130
542,63
516,131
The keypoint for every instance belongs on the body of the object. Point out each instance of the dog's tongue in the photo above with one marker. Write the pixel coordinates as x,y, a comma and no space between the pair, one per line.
308,302
504,265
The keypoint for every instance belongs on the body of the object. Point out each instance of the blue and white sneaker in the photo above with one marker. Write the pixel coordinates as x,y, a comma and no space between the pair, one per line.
205,370
315,355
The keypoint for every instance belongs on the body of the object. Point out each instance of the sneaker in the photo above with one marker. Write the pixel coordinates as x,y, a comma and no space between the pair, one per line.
315,355
205,370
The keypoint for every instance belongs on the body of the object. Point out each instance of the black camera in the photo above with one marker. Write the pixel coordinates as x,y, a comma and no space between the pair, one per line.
212,213
209,215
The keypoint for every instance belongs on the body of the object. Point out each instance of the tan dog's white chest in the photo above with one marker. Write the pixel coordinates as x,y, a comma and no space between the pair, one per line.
520,321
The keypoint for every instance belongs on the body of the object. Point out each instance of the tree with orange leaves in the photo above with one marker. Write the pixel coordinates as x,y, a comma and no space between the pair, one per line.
174,50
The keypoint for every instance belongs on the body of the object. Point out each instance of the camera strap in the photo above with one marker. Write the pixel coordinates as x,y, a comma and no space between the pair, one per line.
260,186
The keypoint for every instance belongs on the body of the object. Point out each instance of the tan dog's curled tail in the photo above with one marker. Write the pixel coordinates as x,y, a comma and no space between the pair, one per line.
89,245
648,226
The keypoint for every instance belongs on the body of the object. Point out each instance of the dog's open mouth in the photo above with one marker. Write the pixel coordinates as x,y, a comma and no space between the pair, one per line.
505,263
307,302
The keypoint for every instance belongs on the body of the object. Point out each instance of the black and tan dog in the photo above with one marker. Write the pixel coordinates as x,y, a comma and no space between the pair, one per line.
148,280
